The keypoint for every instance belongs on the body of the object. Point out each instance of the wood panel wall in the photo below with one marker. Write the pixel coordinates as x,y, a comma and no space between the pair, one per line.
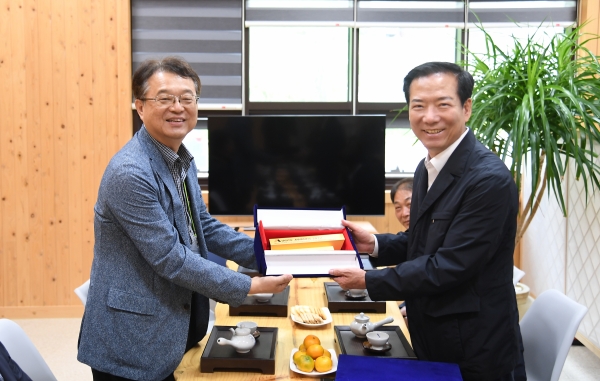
65,109
589,11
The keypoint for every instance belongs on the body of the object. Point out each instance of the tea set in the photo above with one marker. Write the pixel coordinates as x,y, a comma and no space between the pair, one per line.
361,325
243,337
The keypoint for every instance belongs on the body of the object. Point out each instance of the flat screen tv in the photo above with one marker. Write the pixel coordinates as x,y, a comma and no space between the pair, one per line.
298,161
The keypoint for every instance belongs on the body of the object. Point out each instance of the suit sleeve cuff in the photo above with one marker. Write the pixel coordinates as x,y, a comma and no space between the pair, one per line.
375,252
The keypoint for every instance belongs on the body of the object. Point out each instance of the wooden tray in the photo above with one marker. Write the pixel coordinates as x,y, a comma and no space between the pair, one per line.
338,302
261,357
349,344
277,306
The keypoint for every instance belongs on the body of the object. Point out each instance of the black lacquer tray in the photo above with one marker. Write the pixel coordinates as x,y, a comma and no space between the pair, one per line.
349,344
261,357
276,306
338,302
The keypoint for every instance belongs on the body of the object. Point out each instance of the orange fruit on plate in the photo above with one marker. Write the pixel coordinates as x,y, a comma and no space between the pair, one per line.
310,340
323,364
305,363
297,355
315,350
326,353
302,348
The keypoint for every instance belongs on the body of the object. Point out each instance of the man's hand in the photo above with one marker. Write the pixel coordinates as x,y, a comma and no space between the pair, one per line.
365,241
268,284
349,278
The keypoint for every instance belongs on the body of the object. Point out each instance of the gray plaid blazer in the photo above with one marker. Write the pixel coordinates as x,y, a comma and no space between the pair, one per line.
143,274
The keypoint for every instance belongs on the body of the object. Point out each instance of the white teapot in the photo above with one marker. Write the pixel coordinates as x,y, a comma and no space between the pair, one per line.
242,340
361,325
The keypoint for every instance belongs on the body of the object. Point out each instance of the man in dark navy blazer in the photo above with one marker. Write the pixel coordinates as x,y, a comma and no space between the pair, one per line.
454,267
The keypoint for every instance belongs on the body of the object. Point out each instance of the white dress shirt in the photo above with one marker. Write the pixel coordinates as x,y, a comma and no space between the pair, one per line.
434,166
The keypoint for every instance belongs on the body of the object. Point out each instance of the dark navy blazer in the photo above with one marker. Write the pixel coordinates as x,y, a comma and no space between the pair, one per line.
9,369
455,265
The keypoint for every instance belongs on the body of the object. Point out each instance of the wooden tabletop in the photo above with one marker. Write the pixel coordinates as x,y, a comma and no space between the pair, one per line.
303,291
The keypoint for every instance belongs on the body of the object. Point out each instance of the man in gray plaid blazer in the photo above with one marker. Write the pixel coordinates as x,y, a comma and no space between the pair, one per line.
151,280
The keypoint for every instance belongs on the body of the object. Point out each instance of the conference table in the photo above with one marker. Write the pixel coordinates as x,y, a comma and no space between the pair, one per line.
303,291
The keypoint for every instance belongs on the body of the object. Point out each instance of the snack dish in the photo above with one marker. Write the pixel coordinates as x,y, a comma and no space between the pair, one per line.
386,347
314,373
311,316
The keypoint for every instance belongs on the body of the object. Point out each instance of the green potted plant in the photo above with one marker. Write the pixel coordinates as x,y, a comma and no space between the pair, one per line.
537,106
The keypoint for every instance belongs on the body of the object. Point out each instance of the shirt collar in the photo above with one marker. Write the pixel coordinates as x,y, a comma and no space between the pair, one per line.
171,157
440,160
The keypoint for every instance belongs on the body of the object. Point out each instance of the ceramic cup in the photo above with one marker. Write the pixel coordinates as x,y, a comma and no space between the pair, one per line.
263,298
248,324
377,339
357,292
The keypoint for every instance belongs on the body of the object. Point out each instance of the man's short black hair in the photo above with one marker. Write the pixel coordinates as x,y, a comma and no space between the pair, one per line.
172,64
463,77
404,184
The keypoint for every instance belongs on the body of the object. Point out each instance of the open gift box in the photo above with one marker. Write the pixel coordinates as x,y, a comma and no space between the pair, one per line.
271,223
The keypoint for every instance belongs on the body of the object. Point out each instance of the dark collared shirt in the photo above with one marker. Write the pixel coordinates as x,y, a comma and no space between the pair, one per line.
178,164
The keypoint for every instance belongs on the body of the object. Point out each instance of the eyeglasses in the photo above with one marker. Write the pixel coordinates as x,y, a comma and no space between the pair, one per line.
166,100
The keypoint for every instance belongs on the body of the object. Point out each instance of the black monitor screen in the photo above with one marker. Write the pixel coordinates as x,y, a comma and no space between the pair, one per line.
296,161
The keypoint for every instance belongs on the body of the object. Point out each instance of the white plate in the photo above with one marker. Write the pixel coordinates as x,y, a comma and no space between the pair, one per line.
334,362
327,320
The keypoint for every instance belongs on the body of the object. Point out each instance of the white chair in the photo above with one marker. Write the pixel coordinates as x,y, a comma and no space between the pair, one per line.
548,329
23,352
82,291
212,317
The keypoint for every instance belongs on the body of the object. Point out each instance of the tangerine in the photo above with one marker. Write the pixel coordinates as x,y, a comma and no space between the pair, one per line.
302,348
315,350
323,364
305,363
310,340
296,355
326,353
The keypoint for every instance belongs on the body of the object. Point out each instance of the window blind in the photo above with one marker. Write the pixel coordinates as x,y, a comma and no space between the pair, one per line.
299,12
207,34
555,12
419,13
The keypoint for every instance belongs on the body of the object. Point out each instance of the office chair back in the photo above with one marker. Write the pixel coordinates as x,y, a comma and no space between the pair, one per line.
23,352
548,329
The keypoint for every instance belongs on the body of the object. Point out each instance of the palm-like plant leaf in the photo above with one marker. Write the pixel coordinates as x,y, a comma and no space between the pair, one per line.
538,105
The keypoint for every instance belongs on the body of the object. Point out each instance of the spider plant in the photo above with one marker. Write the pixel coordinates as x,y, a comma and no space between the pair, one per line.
537,106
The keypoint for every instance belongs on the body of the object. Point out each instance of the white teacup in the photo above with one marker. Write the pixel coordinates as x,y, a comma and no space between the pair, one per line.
377,339
263,298
248,324
357,292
